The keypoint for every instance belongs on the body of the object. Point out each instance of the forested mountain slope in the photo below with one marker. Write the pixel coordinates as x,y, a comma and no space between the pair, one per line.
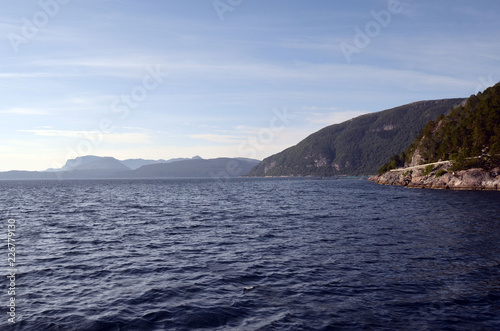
359,146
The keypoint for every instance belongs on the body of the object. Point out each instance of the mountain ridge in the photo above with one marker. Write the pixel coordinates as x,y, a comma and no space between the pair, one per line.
358,146
83,161
95,167
213,168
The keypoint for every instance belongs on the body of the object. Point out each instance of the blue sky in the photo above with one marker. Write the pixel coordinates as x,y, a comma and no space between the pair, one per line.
234,78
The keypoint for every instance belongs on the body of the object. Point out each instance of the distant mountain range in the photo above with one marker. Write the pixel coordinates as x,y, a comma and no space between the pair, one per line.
359,146
96,167
214,168
110,163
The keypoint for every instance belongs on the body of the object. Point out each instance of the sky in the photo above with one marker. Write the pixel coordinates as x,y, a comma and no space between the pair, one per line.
161,79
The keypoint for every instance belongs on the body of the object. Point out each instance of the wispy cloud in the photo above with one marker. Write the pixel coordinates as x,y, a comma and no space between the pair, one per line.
218,138
69,76
122,138
110,62
24,111
241,71
33,75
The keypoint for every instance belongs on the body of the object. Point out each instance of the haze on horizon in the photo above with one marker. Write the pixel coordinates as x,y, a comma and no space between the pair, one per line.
241,78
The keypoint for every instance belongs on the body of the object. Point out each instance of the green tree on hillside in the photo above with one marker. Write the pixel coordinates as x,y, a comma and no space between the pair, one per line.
469,135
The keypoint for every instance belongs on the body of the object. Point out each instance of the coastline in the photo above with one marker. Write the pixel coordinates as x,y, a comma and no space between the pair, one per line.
475,179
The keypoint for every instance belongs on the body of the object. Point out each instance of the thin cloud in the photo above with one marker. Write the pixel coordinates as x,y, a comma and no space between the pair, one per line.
217,138
25,111
32,75
96,136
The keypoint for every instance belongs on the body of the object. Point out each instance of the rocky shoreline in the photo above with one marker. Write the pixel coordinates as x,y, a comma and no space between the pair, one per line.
442,178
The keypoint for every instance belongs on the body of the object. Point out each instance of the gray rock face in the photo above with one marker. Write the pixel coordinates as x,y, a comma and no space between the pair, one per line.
472,179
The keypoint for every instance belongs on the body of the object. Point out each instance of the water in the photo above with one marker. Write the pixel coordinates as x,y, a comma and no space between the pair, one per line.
315,255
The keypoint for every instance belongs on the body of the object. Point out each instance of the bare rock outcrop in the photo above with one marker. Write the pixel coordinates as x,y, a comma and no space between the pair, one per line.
442,178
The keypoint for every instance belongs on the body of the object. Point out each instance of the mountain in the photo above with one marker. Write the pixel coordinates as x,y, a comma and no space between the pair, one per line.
137,163
196,167
27,175
458,151
94,167
359,146
134,164
83,167
92,162
71,164
101,163
469,135
57,175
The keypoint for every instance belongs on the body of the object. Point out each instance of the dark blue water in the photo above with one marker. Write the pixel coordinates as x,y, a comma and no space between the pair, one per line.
317,255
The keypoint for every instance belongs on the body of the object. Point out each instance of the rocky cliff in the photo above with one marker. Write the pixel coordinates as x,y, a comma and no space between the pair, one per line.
471,179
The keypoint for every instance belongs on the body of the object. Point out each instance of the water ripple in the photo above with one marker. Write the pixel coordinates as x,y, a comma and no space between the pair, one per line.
252,254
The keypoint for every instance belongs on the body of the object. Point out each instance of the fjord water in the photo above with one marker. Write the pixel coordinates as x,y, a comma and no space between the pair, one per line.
312,255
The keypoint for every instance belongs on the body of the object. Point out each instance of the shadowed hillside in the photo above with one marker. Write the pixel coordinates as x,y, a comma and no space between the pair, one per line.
359,146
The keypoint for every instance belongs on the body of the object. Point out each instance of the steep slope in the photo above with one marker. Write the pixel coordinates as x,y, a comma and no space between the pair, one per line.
356,147
71,164
458,151
102,163
466,134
